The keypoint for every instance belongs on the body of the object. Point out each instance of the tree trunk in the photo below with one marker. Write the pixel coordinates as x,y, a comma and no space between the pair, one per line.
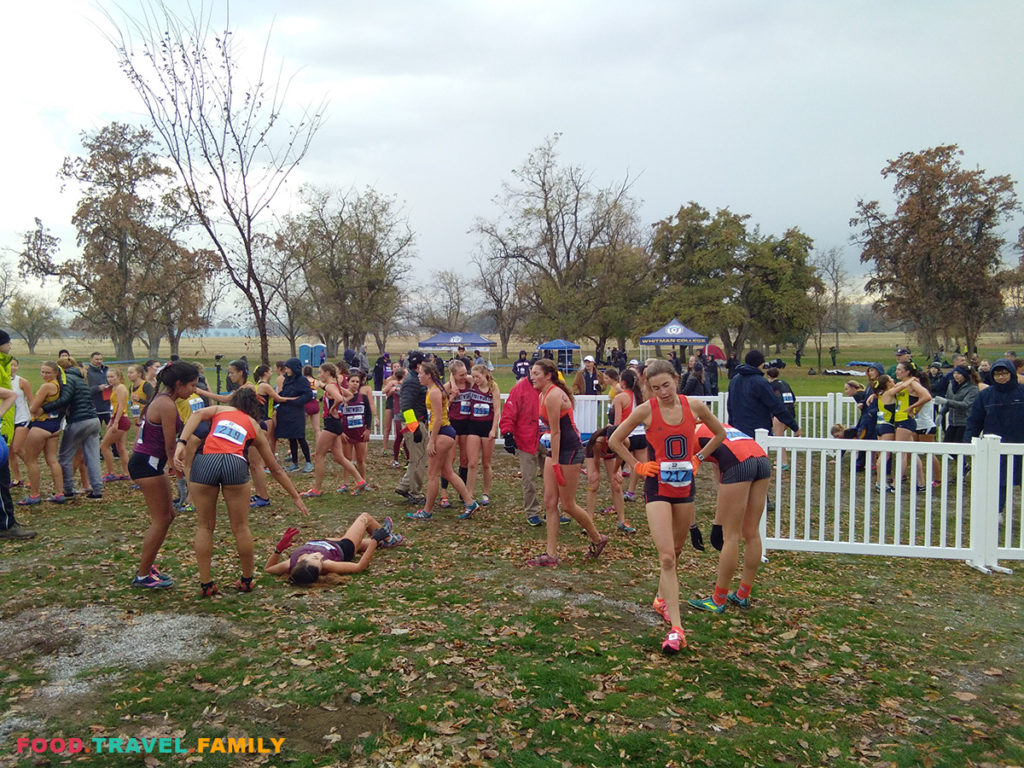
153,347
123,347
31,345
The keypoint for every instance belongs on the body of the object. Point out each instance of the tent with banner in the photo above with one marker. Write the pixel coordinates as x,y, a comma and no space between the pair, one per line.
563,353
673,333
453,341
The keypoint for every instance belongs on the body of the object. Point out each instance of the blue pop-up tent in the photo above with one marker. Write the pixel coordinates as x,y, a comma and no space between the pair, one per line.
456,340
673,332
563,352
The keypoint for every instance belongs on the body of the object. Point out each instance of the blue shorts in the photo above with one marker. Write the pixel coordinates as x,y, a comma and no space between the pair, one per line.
885,429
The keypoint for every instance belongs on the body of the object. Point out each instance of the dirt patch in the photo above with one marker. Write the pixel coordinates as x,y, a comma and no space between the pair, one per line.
70,646
584,599
313,730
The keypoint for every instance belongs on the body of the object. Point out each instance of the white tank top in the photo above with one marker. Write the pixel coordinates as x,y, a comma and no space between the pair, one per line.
21,411
926,416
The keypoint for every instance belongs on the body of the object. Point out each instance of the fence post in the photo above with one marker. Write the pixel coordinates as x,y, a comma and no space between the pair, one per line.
832,409
984,479
761,437
990,512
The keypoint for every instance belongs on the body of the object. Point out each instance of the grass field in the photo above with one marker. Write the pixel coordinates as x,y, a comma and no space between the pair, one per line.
448,652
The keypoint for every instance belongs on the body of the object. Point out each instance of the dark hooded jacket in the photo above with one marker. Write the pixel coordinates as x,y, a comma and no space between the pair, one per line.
752,403
75,396
999,409
291,416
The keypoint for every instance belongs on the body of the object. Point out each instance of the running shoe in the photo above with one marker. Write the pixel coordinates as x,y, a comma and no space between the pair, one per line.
485,500
308,468
706,604
417,499
57,498
922,488
606,511
258,501
596,548
626,528
360,487
312,493
291,467
535,520
470,509
395,465
628,496
30,500
208,590
109,478
394,540
742,602
444,503
403,494
156,574
563,519
675,641
388,525
95,495
785,467
661,608
343,488
420,514
543,559
149,581
244,585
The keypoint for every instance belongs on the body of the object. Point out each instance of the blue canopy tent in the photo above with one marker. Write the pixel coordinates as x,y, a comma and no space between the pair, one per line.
673,332
564,350
455,340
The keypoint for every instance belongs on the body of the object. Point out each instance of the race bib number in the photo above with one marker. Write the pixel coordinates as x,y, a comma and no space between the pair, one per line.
545,440
353,416
675,478
481,410
465,407
787,398
195,403
230,431
733,434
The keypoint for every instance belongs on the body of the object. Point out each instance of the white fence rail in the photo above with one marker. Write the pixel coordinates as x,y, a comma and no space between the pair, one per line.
943,500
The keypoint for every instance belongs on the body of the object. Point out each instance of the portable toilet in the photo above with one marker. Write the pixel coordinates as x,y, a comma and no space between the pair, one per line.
305,354
319,355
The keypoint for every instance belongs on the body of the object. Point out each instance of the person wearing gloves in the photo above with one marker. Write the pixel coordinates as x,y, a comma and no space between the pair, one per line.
752,403
317,559
518,427
999,410
669,490
957,401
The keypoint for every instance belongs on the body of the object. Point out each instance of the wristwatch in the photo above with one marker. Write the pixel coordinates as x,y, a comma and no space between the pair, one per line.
699,456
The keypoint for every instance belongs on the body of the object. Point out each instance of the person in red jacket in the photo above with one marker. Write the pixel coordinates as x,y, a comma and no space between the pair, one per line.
519,428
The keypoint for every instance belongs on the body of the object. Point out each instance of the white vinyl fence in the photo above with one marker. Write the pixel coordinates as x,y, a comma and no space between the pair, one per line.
943,501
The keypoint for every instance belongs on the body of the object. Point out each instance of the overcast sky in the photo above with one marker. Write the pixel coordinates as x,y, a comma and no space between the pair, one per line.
785,111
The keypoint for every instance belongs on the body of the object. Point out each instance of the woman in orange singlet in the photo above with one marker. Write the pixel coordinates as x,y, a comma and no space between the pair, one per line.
670,421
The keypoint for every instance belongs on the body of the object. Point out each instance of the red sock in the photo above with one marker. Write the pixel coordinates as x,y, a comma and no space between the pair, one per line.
719,595
743,591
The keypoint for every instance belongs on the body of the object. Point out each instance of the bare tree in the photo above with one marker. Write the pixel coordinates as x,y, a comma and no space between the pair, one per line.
444,303
218,130
8,284
501,283
832,273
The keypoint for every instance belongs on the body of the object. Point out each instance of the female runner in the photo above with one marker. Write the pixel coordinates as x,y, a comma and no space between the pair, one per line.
329,441
356,420
153,445
670,419
393,416
42,437
629,397
596,453
222,467
312,408
440,446
22,416
562,466
117,427
460,410
316,560
485,412
744,471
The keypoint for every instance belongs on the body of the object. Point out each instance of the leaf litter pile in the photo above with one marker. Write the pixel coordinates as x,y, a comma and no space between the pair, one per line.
448,652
